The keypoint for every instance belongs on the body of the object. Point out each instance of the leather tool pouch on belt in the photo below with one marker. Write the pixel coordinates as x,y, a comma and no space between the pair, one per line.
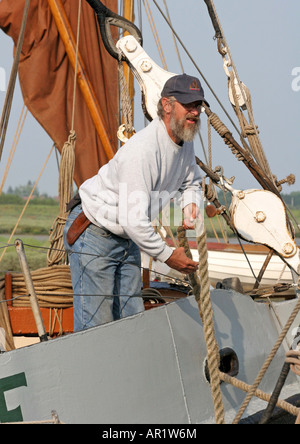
77,228
80,223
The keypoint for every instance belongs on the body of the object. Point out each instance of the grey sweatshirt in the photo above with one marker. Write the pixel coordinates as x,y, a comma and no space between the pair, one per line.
128,193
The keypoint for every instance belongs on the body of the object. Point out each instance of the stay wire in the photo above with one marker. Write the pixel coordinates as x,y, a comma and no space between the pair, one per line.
197,68
174,279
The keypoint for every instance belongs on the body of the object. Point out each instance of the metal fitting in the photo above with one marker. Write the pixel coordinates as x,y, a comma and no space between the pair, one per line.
288,248
260,216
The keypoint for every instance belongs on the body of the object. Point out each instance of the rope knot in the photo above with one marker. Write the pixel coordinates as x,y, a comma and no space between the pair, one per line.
210,192
72,137
250,130
290,179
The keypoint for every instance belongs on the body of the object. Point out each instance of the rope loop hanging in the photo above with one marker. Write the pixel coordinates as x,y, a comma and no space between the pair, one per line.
66,171
201,290
56,253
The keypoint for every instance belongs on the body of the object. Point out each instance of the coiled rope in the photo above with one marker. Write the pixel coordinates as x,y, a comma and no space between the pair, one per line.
66,174
56,254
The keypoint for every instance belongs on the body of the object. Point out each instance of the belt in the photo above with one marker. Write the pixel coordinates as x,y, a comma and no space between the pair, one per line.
79,225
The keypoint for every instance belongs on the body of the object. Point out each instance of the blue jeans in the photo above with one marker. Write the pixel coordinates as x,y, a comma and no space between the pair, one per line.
106,276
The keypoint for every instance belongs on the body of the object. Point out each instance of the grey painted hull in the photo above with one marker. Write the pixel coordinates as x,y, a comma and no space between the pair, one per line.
146,369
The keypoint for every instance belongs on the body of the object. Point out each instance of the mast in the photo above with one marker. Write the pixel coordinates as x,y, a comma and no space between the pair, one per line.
86,88
128,13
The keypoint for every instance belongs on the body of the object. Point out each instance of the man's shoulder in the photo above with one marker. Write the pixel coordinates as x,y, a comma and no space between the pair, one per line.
149,130
144,140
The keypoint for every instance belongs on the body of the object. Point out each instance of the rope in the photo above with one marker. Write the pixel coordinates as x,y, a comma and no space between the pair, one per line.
202,296
259,394
53,286
26,204
193,277
196,66
51,279
267,363
55,420
173,36
206,314
5,319
17,135
249,130
125,98
76,64
222,130
12,81
56,252
66,174
205,308
155,34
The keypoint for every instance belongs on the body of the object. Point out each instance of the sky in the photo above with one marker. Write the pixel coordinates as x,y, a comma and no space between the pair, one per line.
264,39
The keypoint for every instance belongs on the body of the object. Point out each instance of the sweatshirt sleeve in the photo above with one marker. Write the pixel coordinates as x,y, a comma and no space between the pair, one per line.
138,171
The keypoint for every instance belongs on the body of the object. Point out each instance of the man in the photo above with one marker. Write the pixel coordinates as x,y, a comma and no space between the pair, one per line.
122,200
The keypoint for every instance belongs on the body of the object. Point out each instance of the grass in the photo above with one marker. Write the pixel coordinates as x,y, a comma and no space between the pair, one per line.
296,213
33,229
36,220
36,256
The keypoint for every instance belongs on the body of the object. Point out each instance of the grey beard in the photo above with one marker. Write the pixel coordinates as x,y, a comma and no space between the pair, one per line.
181,132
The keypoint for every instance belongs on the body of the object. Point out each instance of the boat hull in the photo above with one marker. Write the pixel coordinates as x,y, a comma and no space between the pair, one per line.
146,369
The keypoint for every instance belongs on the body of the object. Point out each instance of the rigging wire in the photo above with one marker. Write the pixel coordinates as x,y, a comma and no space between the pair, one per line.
155,33
28,200
12,81
174,39
175,279
174,34
197,67
15,142
262,162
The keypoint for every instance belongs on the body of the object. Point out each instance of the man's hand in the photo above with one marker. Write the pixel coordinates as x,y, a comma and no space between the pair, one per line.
190,213
180,262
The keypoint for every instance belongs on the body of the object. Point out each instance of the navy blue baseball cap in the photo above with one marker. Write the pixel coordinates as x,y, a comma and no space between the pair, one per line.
185,89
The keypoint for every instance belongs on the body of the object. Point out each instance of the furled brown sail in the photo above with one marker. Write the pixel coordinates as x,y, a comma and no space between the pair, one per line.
47,78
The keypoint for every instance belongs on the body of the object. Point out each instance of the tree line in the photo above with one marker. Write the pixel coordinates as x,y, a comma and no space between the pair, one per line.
18,194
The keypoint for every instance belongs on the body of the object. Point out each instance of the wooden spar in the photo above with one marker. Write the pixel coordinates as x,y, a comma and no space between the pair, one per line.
128,13
86,88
